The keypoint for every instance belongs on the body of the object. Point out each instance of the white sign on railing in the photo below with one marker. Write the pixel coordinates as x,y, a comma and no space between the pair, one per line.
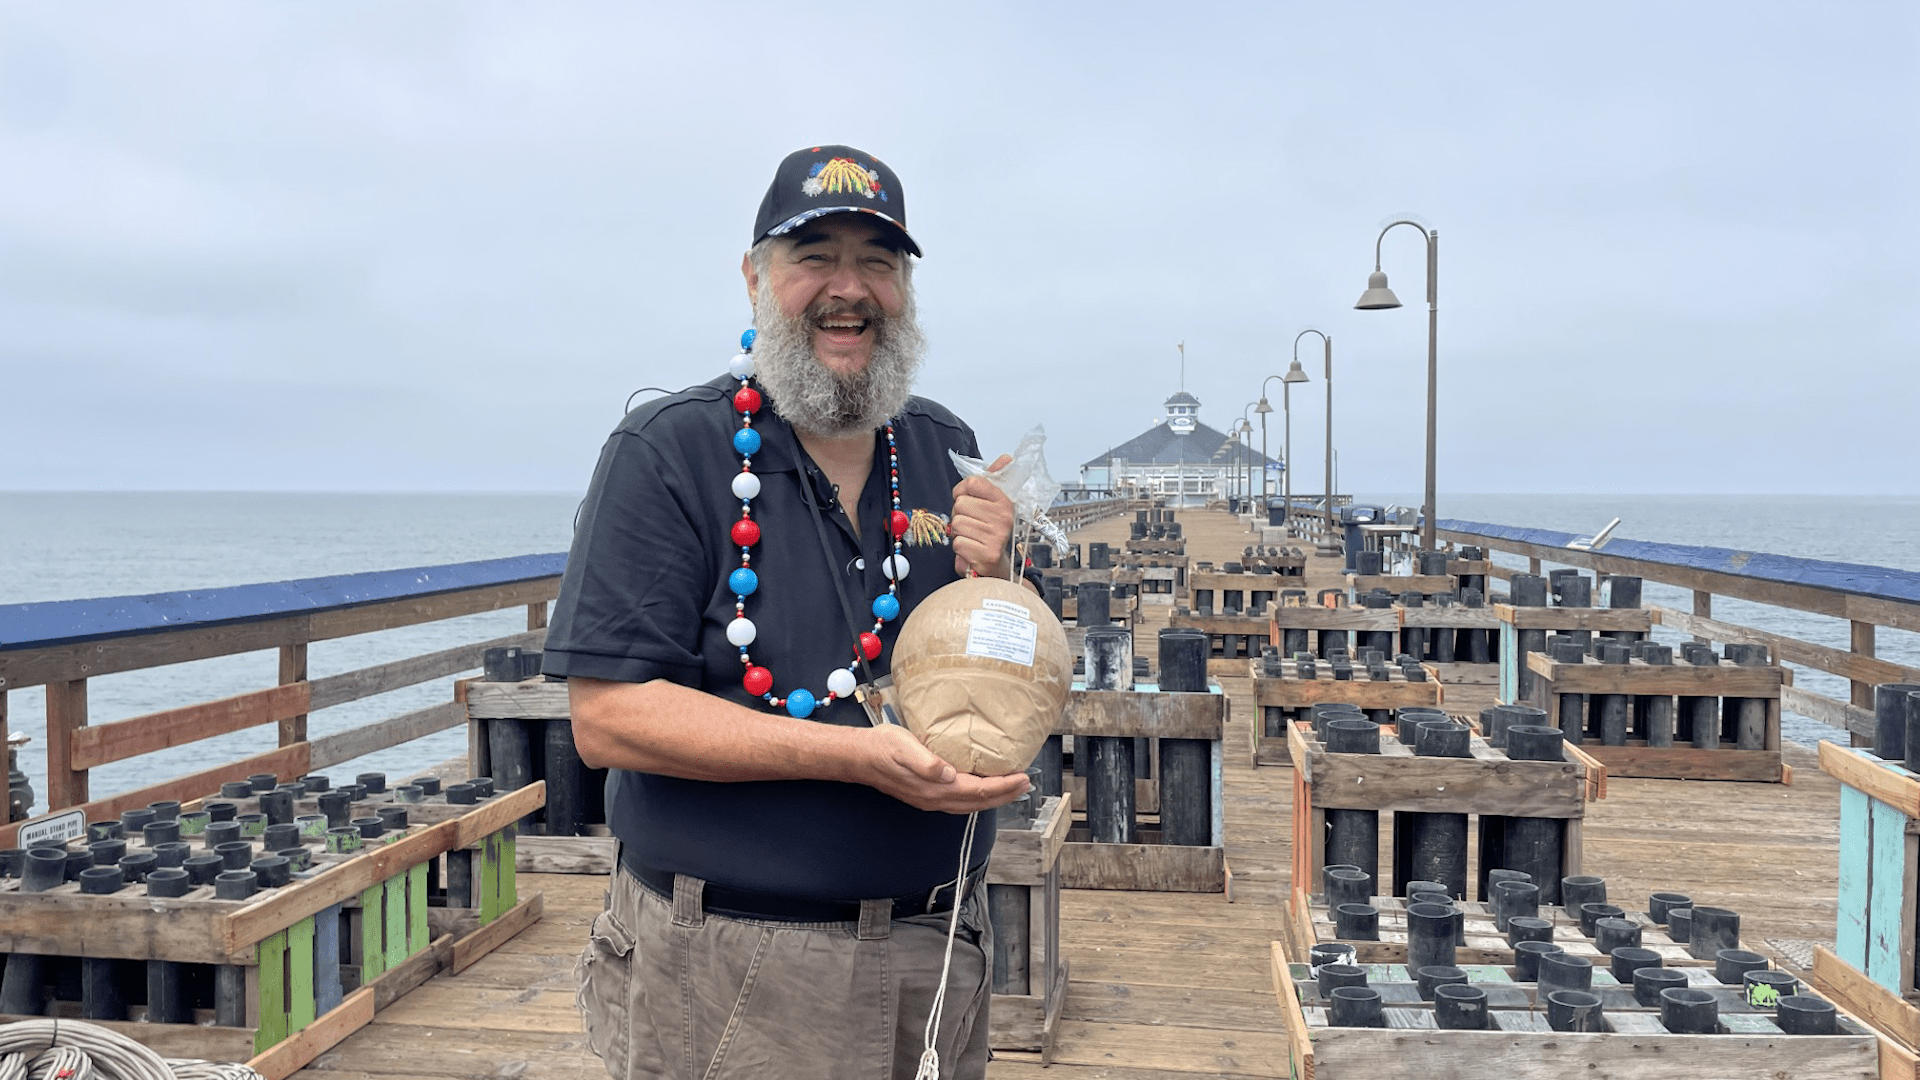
58,828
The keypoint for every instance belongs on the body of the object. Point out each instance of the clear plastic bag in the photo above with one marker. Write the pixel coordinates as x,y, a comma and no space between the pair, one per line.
1026,482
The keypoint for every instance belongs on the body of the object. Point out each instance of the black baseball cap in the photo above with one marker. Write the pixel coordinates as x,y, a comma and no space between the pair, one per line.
824,180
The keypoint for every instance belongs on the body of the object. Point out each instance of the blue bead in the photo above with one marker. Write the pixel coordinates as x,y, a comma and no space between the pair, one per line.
746,339
800,704
886,607
743,581
746,441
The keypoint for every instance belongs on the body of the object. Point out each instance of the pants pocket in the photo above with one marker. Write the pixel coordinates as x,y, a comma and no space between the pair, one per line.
605,973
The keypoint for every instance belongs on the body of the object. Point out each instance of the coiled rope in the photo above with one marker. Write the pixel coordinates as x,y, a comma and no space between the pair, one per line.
71,1050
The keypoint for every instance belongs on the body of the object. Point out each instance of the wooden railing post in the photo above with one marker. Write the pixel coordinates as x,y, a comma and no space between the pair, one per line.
66,714
537,616
1862,695
1533,566
293,669
1703,608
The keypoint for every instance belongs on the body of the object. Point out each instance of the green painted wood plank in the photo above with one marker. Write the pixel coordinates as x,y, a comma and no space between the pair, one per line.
272,953
396,919
373,948
300,999
489,878
1856,831
510,869
417,909
1886,887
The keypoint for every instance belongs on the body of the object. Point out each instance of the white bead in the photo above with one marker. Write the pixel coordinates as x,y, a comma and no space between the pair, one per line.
842,682
742,366
896,567
746,486
741,632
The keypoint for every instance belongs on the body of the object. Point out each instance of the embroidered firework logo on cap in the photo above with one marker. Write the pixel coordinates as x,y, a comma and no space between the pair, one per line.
822,180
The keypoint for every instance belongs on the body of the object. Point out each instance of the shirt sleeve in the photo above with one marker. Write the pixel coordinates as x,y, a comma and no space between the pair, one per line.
638,577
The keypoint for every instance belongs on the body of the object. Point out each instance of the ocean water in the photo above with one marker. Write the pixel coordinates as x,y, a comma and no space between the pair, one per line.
57,546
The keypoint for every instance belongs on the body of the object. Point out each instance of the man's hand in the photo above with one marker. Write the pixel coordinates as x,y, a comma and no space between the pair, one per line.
982,525
904,768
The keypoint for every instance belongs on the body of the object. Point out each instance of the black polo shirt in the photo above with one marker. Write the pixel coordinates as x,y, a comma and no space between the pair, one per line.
645,597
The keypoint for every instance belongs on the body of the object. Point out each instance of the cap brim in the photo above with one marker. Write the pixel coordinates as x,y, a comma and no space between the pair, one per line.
805,216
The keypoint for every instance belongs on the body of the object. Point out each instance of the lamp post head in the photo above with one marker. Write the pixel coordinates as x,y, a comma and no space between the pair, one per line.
1294,375
1263,408
1377,297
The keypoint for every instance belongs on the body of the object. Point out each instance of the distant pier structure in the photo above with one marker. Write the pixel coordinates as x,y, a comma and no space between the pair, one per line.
1181,461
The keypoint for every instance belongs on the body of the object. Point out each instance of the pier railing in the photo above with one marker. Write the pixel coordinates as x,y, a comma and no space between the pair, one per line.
1867,598
60,645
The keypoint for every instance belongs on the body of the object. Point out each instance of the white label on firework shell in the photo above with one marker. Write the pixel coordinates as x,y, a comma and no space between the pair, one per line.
59,829
1002,636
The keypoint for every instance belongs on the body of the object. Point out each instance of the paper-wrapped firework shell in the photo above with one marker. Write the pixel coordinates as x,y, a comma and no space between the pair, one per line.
981,673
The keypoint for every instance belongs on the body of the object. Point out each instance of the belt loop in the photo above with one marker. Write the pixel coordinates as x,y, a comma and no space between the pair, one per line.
687,894
876,920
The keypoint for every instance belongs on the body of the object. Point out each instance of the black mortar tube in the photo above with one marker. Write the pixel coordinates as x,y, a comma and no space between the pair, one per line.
1658,708
1186,765
1353,836
1536,846
1438,848
1890,720
1109,766
1528,590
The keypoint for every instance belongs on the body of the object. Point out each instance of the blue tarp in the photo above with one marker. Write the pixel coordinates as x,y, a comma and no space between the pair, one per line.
1876,581
57,622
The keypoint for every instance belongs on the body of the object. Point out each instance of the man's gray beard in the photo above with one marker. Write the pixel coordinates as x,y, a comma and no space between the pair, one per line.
814,398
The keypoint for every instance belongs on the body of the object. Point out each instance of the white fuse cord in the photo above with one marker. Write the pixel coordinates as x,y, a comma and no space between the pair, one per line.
53,1049
930,1057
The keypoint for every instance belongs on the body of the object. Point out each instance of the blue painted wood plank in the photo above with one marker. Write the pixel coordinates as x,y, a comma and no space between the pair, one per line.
1856,578
327,991
60,622
1886,891
1856,831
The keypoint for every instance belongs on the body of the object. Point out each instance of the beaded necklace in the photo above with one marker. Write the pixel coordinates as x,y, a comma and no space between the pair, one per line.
741,632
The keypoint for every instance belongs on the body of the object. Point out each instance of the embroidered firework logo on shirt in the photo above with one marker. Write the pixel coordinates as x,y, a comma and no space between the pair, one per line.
843,176
927,529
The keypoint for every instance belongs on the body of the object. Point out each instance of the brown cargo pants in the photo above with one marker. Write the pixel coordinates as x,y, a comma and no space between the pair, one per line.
668,990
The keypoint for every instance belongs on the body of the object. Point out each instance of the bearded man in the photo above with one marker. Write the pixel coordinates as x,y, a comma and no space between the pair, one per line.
745,556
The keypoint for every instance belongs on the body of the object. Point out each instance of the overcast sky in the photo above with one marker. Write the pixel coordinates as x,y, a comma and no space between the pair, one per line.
407,246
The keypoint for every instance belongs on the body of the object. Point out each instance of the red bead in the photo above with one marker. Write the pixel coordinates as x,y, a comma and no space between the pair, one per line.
746,399
746,533
898,522
870,646
758,681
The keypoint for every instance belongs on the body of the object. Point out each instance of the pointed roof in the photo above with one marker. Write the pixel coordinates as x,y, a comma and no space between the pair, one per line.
1162,445
1181,397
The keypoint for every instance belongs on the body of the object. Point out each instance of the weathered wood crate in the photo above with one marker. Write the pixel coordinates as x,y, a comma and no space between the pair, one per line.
1871,969
538,703
1519,1043
1281,700
1151,864
1023,901
1553,681
1215,592
1316,630
1309,923
285,974
1486,787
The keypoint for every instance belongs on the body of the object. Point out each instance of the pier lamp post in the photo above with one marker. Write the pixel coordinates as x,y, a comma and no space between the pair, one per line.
1245,434
1293,375
1379,297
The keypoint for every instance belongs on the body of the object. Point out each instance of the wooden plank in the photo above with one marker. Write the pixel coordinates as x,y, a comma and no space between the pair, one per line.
1852,991
1364,693
1469,1055
468,950
1403,583
1847,718
1687,762
1860,770
532,699
66,717
122,739
1550,618
1145,712
1292,1021
412,610
291,1055
1319,618
358,742
567,854
21,668
300,997
1887,882
286,761
1026,856
1856,843
1540,789
1143,867
1640,677
1247,625
270,991
293,669
381,678
1454,617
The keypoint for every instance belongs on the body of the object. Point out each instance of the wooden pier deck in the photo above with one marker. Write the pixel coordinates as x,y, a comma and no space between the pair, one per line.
1172,986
